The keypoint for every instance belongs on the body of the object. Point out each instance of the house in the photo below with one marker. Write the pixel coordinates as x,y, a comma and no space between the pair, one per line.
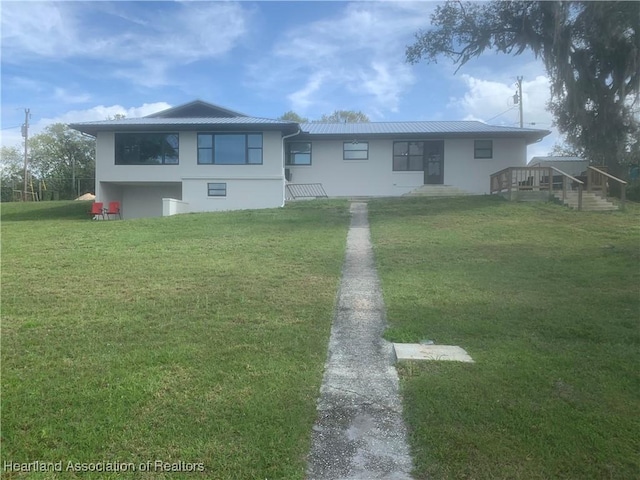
202,157
574,166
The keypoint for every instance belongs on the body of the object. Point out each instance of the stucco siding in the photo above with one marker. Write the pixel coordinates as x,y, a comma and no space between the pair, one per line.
464,171
241,193
137,186
108,171
372,177
146,200
375,176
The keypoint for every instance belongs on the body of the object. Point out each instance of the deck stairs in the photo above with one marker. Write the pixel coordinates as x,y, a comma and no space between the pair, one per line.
591,202
437,191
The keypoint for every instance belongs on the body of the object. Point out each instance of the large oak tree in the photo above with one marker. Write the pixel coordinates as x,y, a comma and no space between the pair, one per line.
591,51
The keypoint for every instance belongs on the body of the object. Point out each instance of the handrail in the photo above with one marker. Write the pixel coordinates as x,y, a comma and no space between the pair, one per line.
608,175
580,183
597,182
501,171
567,175
540,179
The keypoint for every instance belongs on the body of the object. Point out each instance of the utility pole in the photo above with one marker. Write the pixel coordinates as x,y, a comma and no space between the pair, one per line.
25,134
520,98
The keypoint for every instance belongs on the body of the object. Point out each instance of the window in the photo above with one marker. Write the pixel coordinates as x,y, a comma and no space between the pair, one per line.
355,150
147,148
230,148
217,189
483,149
408,156
299,153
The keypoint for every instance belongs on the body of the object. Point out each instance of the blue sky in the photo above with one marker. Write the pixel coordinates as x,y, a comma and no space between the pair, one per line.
81,61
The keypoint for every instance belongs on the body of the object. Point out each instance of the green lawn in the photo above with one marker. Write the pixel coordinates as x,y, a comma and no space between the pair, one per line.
547,302
196,338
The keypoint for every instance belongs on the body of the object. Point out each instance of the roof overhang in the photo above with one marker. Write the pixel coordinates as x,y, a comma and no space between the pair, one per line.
155,125
529,136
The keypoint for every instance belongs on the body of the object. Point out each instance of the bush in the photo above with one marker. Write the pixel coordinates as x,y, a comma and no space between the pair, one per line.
633,191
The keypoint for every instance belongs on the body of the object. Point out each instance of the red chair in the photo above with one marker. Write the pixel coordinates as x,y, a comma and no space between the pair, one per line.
97,209
114,209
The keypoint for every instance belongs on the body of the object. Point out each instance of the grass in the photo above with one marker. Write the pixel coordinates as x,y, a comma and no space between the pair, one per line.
195,338
546,300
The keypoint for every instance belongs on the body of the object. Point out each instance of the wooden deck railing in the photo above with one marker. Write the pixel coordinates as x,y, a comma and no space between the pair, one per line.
598,181
535,179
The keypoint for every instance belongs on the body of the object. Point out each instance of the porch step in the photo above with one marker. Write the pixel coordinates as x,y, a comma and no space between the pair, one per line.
437,191
590,202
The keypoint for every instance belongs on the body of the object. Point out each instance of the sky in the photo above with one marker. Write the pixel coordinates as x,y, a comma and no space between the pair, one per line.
78,61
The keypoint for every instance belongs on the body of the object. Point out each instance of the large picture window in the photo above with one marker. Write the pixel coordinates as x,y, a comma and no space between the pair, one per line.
408,156
299,153
355,151
230,148
147,148
483,149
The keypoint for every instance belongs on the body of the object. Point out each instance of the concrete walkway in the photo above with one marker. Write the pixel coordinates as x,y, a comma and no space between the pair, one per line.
359,433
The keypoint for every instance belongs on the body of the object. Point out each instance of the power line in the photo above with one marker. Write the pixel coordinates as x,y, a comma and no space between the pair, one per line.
507,110
7,128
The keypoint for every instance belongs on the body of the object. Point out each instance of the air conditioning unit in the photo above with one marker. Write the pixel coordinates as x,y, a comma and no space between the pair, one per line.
287,174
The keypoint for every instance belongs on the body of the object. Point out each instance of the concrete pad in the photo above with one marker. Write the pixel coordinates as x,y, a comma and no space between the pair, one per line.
417,351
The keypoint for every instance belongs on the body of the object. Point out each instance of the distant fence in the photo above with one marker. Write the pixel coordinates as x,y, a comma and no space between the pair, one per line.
43,190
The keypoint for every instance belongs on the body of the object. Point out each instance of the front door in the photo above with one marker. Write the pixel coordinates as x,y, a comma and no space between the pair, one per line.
434,163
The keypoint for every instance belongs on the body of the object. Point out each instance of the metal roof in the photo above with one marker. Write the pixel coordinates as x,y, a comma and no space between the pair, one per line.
197,108
424,129
374,128
558,159
165,124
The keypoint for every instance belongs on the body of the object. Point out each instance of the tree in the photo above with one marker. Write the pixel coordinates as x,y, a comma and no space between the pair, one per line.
338,116
65,159
564,150
292,116
11,172
591,51
344,116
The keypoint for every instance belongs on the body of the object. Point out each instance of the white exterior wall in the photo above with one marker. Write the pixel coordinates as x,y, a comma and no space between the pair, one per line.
375,177
472,174
248,186
372,177
242,193
139,201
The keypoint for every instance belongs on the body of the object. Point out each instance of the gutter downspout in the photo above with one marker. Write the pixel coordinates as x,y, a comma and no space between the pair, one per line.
284,160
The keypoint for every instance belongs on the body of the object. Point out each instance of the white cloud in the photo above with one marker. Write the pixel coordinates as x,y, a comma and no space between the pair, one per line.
102,112
358,51
150,42
47,29
492,102
13,137
302,98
